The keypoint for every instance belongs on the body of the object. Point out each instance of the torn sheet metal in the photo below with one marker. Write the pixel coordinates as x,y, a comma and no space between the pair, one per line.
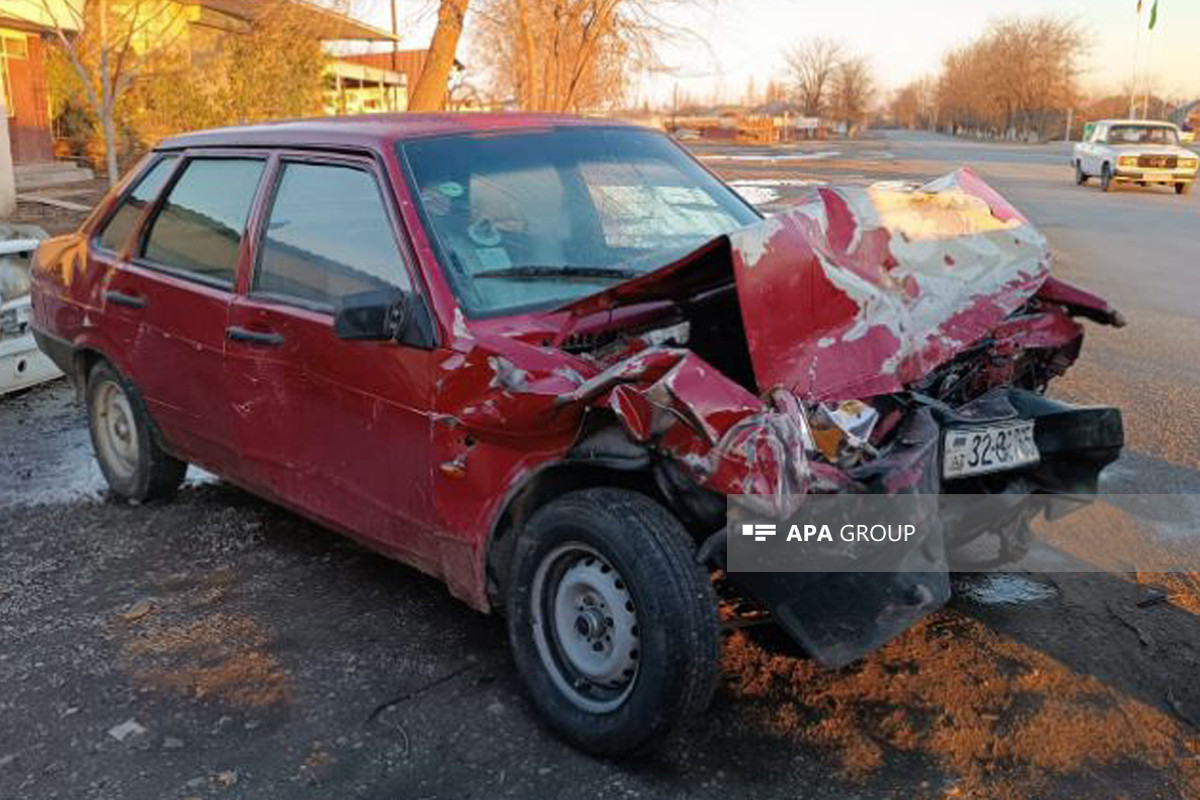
858,291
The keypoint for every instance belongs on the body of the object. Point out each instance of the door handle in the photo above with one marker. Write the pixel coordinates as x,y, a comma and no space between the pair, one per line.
124,299
266,338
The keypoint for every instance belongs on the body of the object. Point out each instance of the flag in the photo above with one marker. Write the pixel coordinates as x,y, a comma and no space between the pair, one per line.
1153,14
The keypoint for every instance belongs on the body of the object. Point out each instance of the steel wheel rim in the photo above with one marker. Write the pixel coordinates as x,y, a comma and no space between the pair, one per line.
585,627
116,430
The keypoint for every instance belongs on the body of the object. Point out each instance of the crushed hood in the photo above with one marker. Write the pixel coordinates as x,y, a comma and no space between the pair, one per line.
857,291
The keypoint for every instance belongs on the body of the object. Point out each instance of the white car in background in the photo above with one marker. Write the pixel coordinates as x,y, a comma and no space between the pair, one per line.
22,364
1134,151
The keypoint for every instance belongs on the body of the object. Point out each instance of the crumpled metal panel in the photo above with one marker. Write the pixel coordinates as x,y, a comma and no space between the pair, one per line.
860,290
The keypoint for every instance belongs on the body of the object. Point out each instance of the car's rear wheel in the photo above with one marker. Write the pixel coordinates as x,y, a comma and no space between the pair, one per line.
133,463
1080,176
1183,188
612,622
1105,178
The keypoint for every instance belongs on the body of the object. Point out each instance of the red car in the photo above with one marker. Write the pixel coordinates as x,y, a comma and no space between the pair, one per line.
534,355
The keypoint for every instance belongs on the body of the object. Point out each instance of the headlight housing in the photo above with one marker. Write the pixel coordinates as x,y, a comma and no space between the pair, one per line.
1127,161
11,323
1189,163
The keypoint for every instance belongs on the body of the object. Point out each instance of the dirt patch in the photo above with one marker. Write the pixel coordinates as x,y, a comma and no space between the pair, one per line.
1004,719
1182,589
185,646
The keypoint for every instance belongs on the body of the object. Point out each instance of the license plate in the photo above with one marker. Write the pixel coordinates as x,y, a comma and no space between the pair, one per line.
988,448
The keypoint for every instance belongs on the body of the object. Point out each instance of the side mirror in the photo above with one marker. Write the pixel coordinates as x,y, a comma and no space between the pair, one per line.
375,316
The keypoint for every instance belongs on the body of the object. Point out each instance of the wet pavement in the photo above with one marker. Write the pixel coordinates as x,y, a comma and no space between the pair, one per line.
216,646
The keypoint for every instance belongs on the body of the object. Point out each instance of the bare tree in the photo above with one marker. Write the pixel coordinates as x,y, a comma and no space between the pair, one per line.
853,87
813,64
431,90
1016,80
569,55
114,41
914,104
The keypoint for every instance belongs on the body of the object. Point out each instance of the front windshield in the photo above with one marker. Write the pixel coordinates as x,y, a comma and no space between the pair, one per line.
537,218
1142,134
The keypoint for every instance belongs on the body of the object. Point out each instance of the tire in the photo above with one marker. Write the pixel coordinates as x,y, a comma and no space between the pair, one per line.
622,574
1081,177
125,442
1183,188
1105,178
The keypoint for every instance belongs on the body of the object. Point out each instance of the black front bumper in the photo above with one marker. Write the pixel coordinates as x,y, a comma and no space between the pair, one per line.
838,617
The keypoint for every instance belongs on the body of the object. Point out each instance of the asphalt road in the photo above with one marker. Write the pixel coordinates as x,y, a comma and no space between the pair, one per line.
218,647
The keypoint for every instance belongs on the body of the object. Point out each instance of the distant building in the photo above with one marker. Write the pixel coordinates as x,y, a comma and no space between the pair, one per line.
766,124
26,26
23,76
406,63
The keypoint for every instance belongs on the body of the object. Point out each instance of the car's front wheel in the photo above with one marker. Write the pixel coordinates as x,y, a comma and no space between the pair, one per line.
1105,178
133,463
1080,176
612,622
1182,188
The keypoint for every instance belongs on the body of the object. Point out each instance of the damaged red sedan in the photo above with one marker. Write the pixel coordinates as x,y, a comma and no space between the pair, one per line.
534,355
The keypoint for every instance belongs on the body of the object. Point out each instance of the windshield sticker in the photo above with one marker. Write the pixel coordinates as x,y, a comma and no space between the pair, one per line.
483,233
451,189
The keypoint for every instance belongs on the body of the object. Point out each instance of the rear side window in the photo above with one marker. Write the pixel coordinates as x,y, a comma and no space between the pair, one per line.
328,236
122,222
199,228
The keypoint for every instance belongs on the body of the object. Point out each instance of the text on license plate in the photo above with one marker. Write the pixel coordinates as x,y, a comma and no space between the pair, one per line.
989,448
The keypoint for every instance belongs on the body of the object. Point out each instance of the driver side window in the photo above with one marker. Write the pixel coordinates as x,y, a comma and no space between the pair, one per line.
328,236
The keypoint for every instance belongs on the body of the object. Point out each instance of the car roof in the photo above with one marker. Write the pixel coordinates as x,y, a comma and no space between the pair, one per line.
371,130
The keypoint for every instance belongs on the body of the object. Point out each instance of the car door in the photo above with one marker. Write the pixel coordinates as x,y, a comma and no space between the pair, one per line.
1095,150
337,428
122,297
178,283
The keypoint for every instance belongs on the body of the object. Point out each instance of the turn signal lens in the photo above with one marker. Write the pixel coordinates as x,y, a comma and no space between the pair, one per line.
1127,161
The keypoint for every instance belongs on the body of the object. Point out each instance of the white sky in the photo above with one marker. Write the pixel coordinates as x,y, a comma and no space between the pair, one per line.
903,39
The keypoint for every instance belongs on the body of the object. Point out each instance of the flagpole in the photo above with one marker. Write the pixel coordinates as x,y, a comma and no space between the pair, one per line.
1146,69
1137,40
1149,54
1146,76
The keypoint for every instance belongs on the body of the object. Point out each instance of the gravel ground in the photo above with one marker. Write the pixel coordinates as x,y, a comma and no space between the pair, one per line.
216,646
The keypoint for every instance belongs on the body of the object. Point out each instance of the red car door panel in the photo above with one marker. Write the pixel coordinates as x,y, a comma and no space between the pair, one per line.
337,428
179,284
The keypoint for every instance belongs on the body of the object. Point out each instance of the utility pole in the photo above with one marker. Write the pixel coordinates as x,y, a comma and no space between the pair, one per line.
1070,123
395,35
